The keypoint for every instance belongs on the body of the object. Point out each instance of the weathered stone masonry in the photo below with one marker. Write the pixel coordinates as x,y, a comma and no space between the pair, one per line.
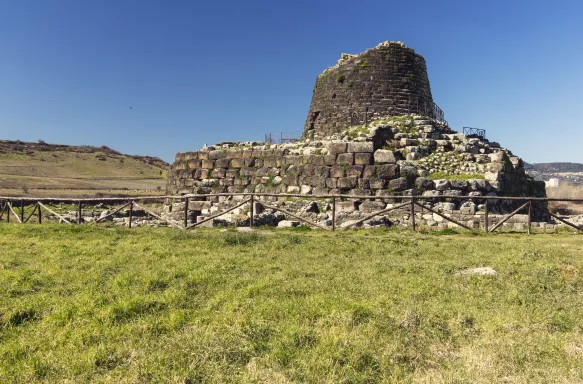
397,154
388,80
392,157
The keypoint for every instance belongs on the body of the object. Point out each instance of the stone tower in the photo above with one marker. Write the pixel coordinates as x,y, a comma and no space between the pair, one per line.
389,80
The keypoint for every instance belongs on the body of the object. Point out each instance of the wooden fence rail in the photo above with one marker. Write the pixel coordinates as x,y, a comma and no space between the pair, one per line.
7,208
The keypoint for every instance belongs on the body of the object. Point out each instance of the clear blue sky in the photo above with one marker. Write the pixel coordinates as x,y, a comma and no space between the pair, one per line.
198,72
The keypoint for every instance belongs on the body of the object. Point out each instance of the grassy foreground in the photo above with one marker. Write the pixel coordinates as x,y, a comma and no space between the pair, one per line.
82,304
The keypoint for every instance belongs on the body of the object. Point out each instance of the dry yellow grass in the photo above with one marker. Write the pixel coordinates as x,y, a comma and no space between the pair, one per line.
69,174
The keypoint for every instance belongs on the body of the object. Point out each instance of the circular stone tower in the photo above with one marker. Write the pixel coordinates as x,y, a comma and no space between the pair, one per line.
388,80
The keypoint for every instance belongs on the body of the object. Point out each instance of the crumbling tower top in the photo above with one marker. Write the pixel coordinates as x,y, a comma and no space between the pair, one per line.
388,80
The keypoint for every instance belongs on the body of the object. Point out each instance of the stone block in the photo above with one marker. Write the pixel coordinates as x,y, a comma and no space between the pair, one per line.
479,185
398,185
307,170
249,162
290,179
363,183
345,158
446,206
355,147
234,154
442,185
369,171
222,163
198,205
247,171
422,183
270,162
218,173
378,183
459,184
208,164
468,208
336,148
321,170
293,160
331,182
408,142
337,171
293,189
215,155
362,158
347,182
452,192
354,170
386,171
493,176
288,224
345,207
318,160
260,172
306,189
497,157
237,163
316,181
227,182
320,191
194,163
359,192
371,206
330,160
383,156
203,155
495,167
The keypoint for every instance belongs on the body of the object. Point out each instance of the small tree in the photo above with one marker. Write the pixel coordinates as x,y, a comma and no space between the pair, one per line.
41,142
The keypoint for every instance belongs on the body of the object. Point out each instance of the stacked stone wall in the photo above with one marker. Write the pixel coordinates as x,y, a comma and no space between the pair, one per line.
390,79
405,156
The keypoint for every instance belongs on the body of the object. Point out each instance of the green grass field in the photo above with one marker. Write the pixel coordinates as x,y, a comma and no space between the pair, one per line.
85,304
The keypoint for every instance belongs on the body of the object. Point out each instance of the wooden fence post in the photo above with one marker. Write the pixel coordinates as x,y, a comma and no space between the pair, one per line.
40,214
251,211
185,212
8,211
22,211
333,214
486,224
413,213
529,215
131,213
79,212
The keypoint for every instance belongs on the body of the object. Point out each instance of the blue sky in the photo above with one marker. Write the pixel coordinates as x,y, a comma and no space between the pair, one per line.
196,72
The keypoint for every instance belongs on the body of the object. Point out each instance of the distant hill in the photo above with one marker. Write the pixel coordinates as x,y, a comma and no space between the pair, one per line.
571,173
66,170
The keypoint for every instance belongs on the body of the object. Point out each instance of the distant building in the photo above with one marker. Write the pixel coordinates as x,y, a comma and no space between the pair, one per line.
554,182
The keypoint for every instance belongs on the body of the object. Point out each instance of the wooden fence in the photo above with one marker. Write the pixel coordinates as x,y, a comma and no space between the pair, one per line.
14,207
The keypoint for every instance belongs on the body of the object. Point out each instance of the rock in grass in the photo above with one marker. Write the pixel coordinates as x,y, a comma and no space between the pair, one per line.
288,224
482,271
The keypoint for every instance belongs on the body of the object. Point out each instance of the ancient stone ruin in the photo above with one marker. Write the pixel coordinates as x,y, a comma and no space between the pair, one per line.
372,130
390,79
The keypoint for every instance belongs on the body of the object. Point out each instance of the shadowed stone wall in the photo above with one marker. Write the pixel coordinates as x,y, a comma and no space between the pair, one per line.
388,80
